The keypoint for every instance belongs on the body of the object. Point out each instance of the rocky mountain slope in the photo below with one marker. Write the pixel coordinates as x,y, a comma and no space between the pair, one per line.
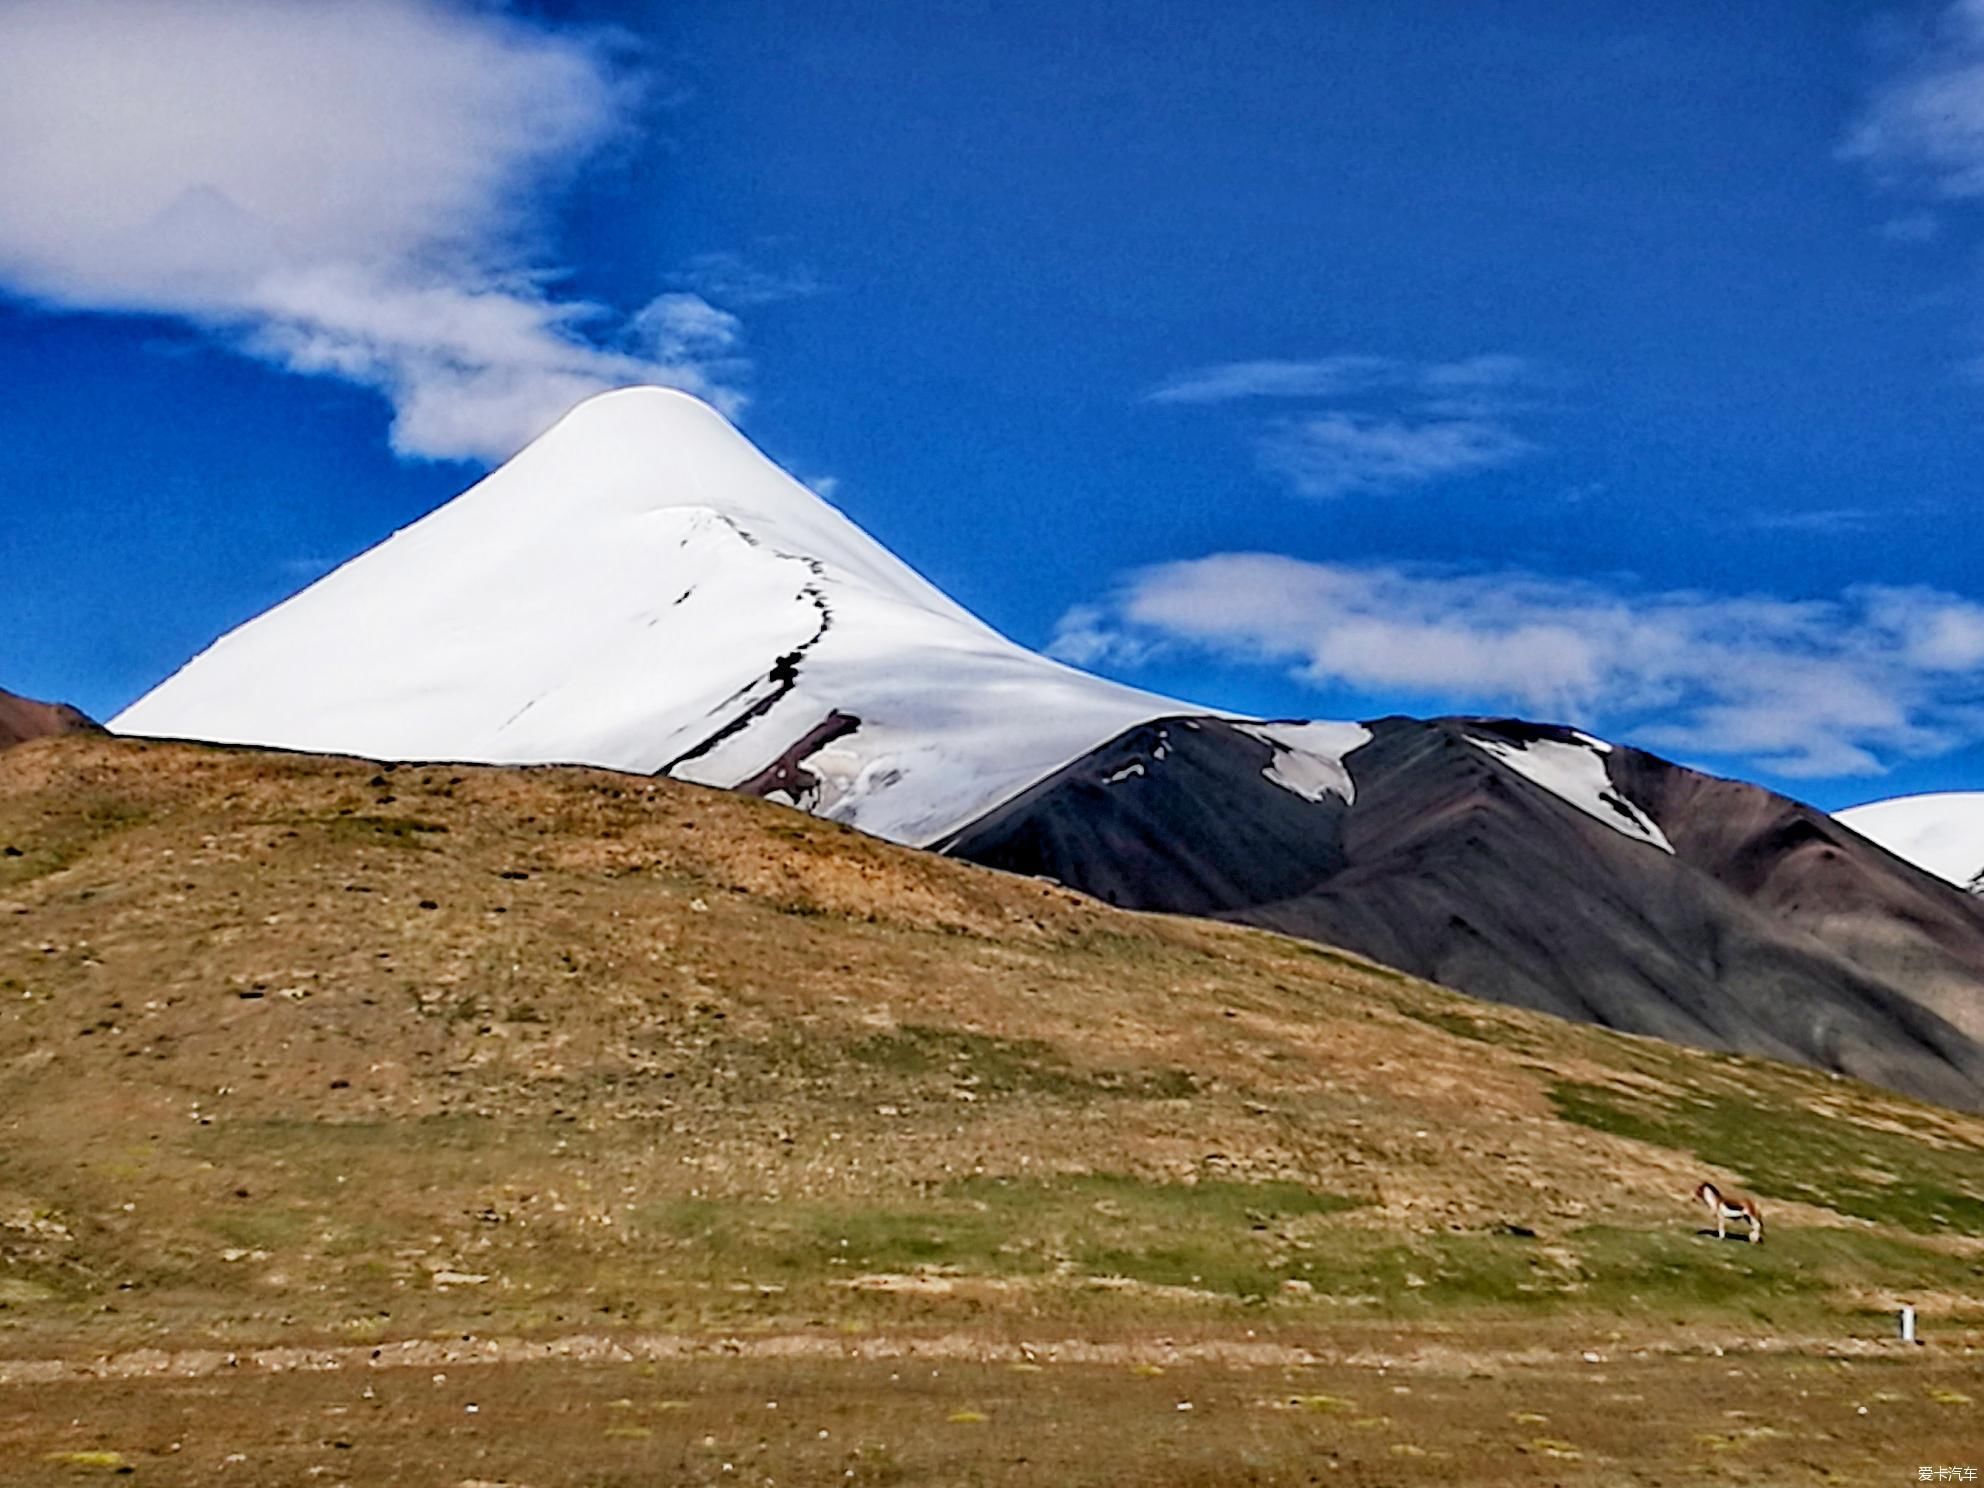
1539,867
22,719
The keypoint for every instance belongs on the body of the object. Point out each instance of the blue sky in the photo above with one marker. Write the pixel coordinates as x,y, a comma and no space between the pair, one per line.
1310,359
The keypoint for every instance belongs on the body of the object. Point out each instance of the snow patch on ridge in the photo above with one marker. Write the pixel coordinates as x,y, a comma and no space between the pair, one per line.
1575,774
1308,757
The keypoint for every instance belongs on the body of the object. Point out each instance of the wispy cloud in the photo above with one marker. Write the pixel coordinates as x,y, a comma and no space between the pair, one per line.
1327,377
687,328
733,279
1920,134
1343,375
1841,686
1336,454
1912,227
1833,521
1923,126
1375,423
355,190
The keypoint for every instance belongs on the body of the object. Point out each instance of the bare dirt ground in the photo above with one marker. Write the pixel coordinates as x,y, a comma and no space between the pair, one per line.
693,1105
647,1411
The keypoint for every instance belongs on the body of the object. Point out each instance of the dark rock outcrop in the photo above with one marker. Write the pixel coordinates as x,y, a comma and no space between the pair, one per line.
1769,929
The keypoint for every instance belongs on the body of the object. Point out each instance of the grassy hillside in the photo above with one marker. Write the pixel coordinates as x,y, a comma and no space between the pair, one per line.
298,1048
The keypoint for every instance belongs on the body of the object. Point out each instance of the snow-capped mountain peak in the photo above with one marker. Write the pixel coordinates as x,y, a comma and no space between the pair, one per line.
1942,833
642,589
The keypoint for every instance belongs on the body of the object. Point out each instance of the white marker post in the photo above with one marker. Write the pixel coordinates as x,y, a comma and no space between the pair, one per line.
1907,1324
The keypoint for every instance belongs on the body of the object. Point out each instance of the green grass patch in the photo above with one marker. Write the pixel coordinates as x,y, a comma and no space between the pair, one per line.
1480,1029
1342,962
1790,1151
1435,1274
323,1165
996,1066
49,847
1217,1236
1798,1273
1804,1276
261,1228
112,1462
18,1291
1248,1241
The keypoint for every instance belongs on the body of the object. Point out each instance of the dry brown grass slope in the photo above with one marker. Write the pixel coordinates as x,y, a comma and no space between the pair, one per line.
299,1049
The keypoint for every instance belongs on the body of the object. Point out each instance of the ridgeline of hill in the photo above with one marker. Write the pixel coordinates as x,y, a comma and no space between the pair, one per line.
22,719
307,1049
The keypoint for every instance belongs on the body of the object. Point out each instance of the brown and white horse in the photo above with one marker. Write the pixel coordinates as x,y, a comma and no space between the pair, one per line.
1726,1205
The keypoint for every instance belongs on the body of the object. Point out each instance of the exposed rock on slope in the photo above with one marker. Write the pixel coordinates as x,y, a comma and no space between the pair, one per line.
1815,874
1542,868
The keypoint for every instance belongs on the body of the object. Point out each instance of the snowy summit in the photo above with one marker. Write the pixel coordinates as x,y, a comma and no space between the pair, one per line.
642,589
1942,832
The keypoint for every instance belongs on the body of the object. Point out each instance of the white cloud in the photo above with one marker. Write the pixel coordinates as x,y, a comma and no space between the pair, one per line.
1328,377
1829,521
685,325
735,280
1801,687
1912,227
1490,370
1920,134
1939,634
1336,454
1923,127
1344,375
352,190
1093,635
1385,424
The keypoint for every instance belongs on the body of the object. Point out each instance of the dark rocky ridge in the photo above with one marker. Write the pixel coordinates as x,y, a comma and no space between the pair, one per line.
22,719
787,776
1770,929
1881,912
1170,816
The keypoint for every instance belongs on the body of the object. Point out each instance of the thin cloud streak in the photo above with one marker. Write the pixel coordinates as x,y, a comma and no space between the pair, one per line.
1343,375
1817,688
1339,454
735,280
1921,132
1923,127
1383,424
1328,377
